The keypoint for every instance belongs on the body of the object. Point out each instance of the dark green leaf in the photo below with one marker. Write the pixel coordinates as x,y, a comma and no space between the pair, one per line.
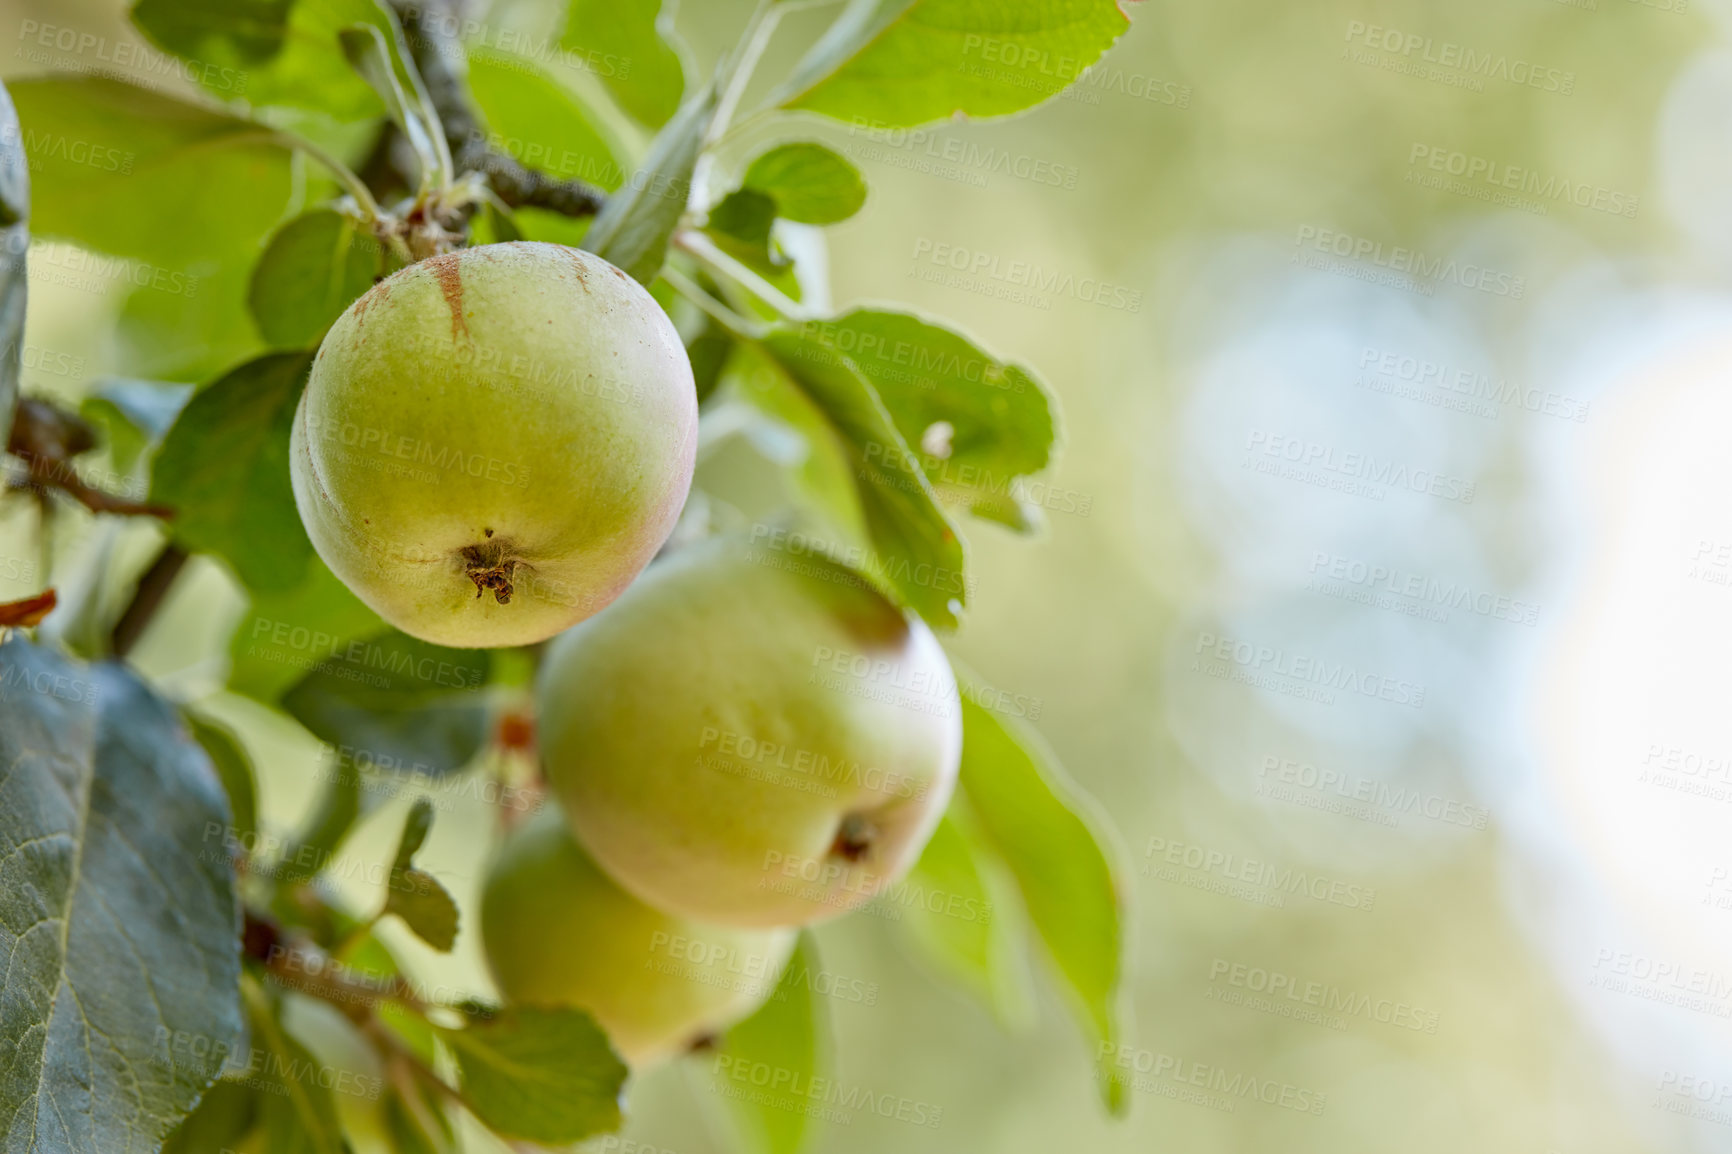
900,63
14,244
708,352
224,469
398,701
914,547
633,229
324,830
740,226
213,31
314,268
415,829
625,43
233,767
1047,832
120,932
130,172
544,1075
746,215
288,634
425,906
415,895
227,1111
541,122
299,1113
308,72
977,424
808,182
786,1041
417,1123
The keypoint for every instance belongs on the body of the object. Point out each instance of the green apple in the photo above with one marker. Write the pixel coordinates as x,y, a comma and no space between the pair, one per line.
750,736
494,442
558,932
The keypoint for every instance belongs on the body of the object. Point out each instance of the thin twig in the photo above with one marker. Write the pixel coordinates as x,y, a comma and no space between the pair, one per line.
730,320
713,258
46,438
152,591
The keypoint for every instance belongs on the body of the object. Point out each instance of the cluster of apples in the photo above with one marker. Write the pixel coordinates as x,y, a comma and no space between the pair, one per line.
492,446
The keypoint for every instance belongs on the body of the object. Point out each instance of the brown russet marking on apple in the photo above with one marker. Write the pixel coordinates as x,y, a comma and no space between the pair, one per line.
450,280
379,292
577,267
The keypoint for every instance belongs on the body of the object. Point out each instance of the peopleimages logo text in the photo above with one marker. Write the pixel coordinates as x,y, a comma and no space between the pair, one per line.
1027,275
1411,262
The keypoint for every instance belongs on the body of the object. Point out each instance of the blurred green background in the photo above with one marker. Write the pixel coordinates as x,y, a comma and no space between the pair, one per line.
1198,167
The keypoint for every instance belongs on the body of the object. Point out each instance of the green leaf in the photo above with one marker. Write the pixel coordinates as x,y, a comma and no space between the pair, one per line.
1048,833
121,936
307,72
415,895
967,924
323,831
382,60
128,171
740,224
542,1075
633,228
299,1112
233,768
541,122
626,44
914,549
901,63
417,1122
808,182
190,327
134,415
977,424
807,454
14,245
425,906
787,1040
224,1116
314,268
415,829
745,215
708,352
399,700
242,32
289,633
224,469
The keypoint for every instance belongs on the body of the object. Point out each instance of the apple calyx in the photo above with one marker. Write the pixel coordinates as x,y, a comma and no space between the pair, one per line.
490,565
854,837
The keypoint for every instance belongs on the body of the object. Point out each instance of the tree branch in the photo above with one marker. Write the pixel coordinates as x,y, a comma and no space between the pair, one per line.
46,438
152,590
439,57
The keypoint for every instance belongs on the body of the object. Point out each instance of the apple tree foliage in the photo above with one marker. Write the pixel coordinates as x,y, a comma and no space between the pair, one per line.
160,929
